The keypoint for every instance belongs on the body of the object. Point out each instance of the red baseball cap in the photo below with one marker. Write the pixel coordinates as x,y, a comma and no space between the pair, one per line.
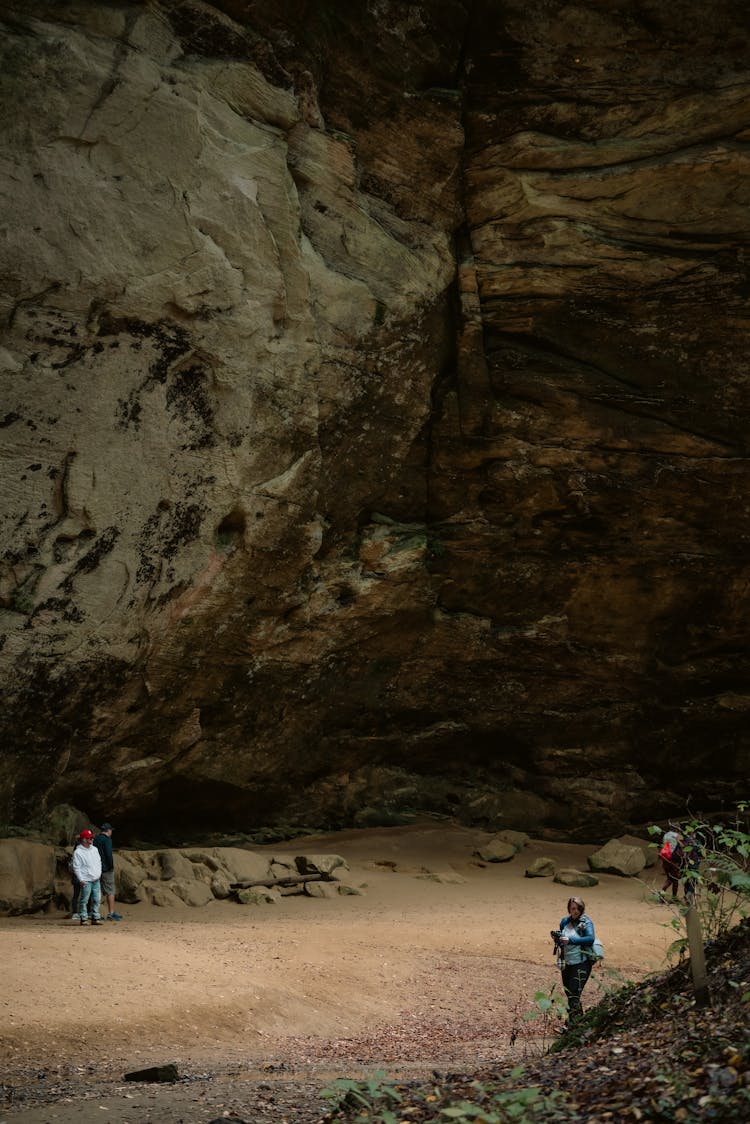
86,834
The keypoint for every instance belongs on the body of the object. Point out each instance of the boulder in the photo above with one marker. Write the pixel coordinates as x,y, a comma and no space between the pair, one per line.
157,894
446,877
220,887
173,866
27,875
321,890
129,877
541,868
62,824
618,858
650,850
242,865
258,896
320,864
496,850
519,839
576,878
283,868
203,858
193,892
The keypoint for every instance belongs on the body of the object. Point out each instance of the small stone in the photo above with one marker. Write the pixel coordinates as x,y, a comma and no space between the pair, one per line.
541,868
576,878
154,1073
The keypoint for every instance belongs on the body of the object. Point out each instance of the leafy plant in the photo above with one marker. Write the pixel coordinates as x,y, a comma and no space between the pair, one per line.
551,1007
374,1099
371,1095
716,870
523,1105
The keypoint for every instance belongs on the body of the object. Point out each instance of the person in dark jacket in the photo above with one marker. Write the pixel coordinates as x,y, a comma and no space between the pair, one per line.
75,915
103,844
576,939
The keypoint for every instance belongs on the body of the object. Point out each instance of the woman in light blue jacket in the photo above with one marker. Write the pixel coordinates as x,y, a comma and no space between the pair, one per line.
576,940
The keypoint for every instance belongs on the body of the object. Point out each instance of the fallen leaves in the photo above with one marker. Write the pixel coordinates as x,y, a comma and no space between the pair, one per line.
647,1053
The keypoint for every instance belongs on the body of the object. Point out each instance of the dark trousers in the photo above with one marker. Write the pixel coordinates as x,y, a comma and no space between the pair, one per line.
672,872
76,894
574,977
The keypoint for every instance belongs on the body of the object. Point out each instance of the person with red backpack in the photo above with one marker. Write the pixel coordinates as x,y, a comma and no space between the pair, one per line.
672,861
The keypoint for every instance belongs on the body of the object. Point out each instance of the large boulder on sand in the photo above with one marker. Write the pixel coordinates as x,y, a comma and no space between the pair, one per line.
496,850
27,875
241,865
155,893
650,850
193,891
129,877
618,858
174,866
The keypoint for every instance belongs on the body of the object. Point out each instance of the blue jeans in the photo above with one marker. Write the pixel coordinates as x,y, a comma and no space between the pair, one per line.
93,891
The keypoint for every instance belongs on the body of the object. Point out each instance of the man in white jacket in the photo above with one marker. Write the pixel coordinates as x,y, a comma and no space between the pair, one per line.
87,867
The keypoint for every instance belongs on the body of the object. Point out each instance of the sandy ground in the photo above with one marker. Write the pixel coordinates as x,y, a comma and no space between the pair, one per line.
412,975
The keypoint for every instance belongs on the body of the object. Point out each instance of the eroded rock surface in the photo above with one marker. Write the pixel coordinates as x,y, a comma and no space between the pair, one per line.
374,388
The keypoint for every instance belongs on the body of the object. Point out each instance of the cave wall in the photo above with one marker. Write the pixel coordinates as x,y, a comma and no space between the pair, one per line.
374,395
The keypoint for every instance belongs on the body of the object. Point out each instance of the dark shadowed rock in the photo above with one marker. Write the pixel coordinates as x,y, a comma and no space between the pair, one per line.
374,391
154,1073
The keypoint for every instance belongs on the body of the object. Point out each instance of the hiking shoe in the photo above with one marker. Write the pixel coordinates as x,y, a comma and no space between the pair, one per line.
83,921
75,917
95,921
114,917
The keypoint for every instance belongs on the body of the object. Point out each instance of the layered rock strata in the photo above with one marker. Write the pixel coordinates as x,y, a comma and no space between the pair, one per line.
374,391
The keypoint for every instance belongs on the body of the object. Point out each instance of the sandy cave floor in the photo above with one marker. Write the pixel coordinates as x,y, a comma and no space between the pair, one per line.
261,1007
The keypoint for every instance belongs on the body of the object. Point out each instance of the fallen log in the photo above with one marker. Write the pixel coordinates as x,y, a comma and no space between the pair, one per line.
292,880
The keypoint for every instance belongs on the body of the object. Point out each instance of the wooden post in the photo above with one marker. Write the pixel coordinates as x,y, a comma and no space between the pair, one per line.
697,957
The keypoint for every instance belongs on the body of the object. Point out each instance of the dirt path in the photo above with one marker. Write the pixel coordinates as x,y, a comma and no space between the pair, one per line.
259,1004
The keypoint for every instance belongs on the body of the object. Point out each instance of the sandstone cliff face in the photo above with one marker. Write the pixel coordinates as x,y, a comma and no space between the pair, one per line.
374,396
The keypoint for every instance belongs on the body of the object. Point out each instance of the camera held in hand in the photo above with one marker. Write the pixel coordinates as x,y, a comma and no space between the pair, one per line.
556,935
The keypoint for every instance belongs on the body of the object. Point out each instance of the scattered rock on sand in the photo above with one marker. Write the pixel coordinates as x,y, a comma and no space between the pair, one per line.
541,868
321,889
446,877
320,864
154,1073
576,878
259,895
